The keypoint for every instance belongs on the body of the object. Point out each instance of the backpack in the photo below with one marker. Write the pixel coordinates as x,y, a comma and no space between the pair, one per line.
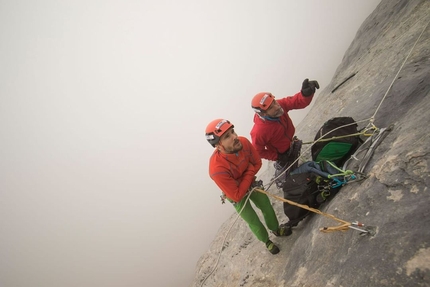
309,185
300,188
340,149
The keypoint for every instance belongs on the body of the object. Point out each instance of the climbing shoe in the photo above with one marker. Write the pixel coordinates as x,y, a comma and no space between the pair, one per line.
272,247
283,230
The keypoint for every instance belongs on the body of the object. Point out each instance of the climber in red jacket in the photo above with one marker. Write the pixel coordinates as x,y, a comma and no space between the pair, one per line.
273,131
233,166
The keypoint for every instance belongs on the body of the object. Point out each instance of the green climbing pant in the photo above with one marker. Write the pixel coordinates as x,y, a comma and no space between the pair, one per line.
250,216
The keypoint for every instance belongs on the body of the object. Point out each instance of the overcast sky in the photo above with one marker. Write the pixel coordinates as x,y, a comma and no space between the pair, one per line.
104,165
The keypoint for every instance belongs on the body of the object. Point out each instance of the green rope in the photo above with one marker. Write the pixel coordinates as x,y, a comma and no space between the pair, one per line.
342,172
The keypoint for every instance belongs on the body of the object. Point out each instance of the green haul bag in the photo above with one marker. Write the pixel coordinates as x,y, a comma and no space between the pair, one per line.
341,140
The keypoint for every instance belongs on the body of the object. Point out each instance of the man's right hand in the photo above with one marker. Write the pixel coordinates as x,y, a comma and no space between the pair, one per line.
256,184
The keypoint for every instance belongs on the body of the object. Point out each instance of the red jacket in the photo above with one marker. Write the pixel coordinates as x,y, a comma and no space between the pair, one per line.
271,138
234,173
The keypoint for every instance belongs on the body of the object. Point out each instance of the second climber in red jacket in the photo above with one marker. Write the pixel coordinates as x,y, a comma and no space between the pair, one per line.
273,132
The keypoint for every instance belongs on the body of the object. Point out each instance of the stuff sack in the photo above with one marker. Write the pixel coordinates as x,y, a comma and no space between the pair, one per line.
309,185
300,188
340,149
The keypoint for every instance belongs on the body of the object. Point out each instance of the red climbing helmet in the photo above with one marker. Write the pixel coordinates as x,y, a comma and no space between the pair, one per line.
261,101
216,129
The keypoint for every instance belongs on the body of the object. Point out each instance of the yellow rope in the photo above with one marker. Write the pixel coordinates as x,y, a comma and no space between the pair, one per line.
343,227
363,133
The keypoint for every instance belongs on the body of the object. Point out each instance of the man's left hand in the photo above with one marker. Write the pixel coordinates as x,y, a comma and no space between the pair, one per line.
308,87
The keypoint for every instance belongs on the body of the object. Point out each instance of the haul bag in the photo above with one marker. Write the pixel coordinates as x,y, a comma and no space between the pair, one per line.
300,188
345,140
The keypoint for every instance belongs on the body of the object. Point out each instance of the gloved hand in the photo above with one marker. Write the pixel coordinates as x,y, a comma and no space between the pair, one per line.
283,159
256,183
308,87
286,157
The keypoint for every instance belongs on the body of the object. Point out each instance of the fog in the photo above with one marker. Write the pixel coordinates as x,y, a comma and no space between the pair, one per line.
104,164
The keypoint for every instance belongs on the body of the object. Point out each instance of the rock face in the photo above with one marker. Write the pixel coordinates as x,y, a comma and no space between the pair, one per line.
390,61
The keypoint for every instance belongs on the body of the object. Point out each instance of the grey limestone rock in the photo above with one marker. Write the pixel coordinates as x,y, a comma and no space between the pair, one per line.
395,197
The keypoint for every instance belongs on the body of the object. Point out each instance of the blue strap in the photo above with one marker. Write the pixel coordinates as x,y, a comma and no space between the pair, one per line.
271,119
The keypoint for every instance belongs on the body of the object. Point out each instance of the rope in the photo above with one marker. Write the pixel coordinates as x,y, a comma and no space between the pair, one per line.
345,224
401,67
341,171
363,133
225,237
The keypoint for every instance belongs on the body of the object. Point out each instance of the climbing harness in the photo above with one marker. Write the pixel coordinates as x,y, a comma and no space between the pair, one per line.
223,198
